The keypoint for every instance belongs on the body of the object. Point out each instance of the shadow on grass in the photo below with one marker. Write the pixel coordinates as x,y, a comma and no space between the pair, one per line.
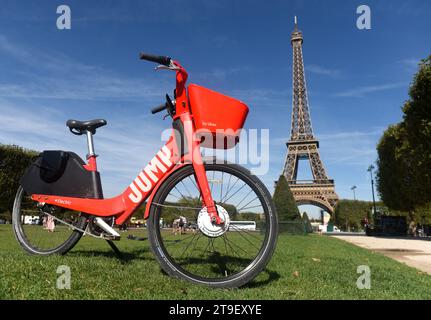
272,276
137,254
126,256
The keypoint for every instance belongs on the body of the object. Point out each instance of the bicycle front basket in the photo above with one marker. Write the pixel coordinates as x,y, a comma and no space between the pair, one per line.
218,118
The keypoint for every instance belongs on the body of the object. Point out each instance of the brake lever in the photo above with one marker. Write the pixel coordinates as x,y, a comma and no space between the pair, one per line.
171,67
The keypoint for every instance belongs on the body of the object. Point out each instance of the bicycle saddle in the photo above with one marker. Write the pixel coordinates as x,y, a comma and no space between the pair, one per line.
80,127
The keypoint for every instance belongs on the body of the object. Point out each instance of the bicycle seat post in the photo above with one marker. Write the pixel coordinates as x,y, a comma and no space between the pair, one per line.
90,144
91,156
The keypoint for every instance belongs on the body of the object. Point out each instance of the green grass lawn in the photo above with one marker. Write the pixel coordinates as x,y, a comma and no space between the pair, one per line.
303,267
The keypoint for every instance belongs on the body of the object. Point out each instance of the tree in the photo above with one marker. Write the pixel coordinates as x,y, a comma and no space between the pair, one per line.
423,214
417,124
284,202
14,160
404,151
395,178
307,222
350,214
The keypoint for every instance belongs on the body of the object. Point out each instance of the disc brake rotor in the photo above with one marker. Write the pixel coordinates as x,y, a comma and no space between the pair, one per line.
210,229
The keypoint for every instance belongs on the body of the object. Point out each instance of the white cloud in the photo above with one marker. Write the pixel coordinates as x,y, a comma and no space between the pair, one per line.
410,62
355,148
320,70
351,148
124,149
53,75
410,65
222,73
351,134
263,97
362,91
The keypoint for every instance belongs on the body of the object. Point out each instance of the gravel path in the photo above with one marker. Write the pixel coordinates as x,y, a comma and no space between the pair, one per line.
413,252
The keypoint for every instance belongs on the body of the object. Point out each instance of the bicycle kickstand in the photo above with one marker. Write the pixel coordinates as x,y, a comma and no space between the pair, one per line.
115,249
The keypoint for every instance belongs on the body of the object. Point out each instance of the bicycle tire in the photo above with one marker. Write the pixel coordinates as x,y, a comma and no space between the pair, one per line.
244,276
21,237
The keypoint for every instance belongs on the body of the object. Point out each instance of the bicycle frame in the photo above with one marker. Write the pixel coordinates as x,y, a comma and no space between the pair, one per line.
167,161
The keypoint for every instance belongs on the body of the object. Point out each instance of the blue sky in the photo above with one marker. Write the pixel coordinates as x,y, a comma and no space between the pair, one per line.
357,79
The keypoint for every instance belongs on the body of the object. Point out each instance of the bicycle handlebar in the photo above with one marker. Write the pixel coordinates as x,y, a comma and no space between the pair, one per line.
159,108
165,61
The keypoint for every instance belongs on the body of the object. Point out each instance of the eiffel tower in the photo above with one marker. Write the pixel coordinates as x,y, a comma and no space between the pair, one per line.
303,145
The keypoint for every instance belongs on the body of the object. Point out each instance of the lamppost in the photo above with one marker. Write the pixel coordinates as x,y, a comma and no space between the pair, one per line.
370,170
354,194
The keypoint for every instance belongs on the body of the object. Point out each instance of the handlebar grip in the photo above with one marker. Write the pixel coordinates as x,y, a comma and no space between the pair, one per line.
166,61
159,108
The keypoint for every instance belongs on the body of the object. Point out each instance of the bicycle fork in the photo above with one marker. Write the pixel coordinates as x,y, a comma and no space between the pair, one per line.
198,165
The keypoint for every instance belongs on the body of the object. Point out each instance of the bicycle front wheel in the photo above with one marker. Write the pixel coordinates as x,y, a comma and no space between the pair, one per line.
190,247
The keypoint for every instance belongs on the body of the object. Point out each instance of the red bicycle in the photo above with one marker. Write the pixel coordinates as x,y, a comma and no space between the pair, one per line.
228,221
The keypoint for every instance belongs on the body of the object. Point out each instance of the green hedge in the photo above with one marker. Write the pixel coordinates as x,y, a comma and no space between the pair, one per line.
13,161
293,227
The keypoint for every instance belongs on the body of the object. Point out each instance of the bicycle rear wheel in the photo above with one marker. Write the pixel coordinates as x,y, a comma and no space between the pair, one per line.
201,252
41,232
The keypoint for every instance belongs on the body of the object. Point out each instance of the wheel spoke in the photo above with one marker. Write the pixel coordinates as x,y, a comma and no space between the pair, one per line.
47,230
184,197
206,248
245,231
235,192
228,184
194,183
212,182
253,207
187,190
194,245
221,188
240,233
247,204
188,245
245,198
231,188
174,195
176,241
197,250
230,246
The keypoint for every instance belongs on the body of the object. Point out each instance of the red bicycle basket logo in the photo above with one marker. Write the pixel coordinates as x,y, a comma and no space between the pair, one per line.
218,118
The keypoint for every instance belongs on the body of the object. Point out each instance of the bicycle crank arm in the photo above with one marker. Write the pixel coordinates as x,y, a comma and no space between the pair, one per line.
107,228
